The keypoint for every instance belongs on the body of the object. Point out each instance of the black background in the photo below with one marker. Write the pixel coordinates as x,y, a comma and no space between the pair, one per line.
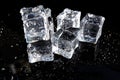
91,62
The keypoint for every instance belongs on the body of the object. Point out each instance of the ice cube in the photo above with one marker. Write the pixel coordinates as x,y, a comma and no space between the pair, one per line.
40,51
37,22
68,18
91,28
64,43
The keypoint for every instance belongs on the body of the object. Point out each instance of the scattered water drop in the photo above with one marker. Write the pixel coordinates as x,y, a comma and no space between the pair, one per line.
3,69
11,46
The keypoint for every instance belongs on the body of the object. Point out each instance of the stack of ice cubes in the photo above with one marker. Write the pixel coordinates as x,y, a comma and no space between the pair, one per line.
43,41
65,38
38,29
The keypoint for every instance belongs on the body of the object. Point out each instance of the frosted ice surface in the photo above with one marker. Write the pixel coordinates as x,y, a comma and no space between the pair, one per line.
68,18
40,51
91,28
37,22
64,43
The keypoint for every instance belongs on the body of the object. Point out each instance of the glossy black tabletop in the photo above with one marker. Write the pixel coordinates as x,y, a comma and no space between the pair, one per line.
90,62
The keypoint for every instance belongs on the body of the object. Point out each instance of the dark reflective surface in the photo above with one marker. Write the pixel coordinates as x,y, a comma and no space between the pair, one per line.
90,62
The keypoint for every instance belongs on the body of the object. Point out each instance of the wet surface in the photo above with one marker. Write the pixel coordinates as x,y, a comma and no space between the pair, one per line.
90,62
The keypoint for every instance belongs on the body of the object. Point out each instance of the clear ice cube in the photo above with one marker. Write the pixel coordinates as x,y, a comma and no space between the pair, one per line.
68,18
40,51
64,43
91,28
37,22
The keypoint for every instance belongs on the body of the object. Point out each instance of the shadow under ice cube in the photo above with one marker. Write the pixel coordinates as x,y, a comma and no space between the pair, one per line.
91,28
64,43
40,51
68,18
36,22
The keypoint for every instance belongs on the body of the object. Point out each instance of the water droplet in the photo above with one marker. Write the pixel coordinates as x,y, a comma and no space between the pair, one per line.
17,44
3,69
1,32
11,46
15,57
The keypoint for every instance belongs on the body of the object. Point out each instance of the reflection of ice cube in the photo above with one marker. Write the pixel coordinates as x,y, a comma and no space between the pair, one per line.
37,23
40,51
68,18
91,28
64,43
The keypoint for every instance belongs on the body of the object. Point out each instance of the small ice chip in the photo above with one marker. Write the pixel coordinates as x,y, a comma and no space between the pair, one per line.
91,28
